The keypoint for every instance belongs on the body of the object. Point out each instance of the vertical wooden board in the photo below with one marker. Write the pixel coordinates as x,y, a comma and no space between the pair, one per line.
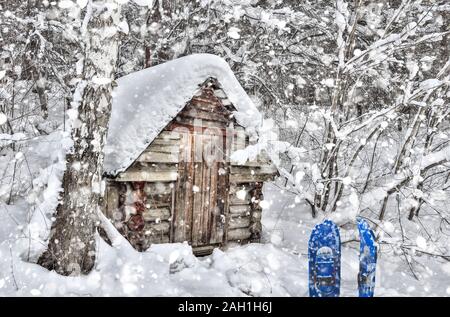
181,213
217,211
172,212
255,223
185,143
197,204
231,188
178,218
219,197
212,210
112,200
226,196
206,205
228,140
189,197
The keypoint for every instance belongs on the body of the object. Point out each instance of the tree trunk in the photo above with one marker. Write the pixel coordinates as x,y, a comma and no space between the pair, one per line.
71,249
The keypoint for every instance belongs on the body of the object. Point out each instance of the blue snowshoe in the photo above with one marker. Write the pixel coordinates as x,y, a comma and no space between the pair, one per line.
367,260
324,253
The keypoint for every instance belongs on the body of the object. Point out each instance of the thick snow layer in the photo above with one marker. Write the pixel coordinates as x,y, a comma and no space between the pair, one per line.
276,267
146,101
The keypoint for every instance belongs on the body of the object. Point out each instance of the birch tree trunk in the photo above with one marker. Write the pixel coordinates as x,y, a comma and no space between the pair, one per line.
71,249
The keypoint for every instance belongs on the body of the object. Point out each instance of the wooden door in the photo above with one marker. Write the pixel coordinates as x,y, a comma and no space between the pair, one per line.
202,191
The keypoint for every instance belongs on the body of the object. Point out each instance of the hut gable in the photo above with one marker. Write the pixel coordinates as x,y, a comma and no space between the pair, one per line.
209,108
145,102
182,186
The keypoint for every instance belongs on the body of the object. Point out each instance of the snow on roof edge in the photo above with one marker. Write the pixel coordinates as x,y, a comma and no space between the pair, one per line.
144,102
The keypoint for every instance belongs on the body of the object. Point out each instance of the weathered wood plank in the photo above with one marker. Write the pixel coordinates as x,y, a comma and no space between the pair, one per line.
210,115
236,201
112,200
237,178
239,222
259,161
154,167
212,209
239,169
242,210
172,209
255,223
204,123
222,201
179,232
158,214
197,212
145,176
163,141
206,203
157,157
153,228
158,201
239,234
253,170
246,164
207,100
168,135
163,148
183,203
204,106
252,174
189,190
215,226
158,188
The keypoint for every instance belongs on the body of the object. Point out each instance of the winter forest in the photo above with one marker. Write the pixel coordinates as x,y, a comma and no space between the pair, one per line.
336,109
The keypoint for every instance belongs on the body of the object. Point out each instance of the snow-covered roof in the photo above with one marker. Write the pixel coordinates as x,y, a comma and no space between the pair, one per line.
144,102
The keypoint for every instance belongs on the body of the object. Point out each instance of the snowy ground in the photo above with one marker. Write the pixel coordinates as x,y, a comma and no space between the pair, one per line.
276,267
288,225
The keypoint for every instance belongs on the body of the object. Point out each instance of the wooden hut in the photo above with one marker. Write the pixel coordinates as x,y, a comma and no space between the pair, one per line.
170,171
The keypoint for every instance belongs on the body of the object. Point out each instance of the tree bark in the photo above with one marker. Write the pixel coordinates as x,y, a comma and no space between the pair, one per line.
71,249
